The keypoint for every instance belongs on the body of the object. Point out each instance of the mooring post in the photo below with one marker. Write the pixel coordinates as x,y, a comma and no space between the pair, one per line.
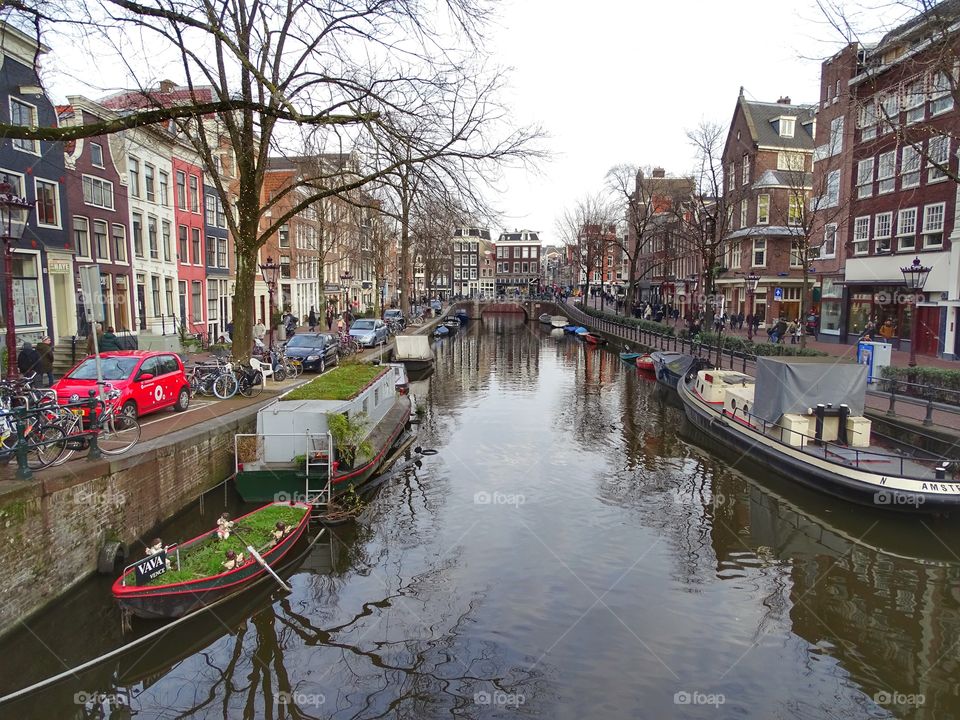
95,453
891,412
928,418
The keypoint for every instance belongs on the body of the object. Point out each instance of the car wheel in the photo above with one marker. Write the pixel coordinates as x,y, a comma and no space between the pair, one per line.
322,366
129,409
183,400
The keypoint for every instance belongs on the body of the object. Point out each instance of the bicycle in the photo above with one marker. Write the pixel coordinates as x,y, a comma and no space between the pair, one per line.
416,320
249,381
117,431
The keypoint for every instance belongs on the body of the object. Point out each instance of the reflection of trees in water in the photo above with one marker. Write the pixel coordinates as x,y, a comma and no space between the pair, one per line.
891,620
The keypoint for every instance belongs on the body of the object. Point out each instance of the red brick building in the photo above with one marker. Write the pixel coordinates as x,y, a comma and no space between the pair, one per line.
767,177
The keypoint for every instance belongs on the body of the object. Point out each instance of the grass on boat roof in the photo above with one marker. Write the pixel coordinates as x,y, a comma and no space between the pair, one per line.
206,557
341,383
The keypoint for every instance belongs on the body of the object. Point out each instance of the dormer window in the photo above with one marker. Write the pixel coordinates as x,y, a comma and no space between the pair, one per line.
787,126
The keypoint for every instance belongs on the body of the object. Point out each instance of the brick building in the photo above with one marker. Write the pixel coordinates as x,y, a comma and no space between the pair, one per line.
767,178
518,263
468,248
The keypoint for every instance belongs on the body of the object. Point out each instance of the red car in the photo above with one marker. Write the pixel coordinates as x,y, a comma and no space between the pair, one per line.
148,381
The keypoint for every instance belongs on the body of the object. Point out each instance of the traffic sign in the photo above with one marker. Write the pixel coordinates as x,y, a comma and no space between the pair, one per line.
778,293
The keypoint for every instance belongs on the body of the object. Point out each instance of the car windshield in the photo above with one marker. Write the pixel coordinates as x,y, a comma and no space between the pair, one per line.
363,325
114,368
299,341
393,313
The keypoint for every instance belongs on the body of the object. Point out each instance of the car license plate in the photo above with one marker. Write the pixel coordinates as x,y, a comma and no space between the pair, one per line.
77,411
296,362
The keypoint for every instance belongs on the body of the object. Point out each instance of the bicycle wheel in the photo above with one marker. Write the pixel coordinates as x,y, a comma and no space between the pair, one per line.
45,444
251,385
290,369
75,440
225,386
118,434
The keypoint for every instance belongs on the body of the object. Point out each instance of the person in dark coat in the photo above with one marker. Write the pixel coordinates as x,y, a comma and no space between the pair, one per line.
312,319
45,351
109,342
28,360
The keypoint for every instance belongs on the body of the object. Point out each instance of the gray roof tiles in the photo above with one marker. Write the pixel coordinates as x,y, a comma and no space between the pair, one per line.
762,119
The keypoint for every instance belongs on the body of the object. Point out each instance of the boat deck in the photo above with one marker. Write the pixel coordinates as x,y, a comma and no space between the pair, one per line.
874,458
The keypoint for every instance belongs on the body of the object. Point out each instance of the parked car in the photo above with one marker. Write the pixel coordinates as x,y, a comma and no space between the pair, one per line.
148,381
395,315
368,331
313,351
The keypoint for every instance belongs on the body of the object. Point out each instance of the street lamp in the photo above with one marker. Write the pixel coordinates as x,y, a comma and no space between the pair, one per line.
13,222
270,271
750,283
345,277
914,277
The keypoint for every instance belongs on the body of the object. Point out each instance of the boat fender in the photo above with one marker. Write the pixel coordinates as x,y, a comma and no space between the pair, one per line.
111,558
428,451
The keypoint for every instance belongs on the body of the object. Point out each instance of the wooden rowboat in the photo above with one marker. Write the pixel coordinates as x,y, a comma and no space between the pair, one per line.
175,599
630,357
594,338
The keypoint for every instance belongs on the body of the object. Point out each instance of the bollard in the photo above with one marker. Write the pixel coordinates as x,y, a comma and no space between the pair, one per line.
928,418
941,471
891,412
23,469
95,453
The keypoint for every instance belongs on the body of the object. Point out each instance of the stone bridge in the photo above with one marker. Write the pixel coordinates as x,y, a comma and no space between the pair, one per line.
530,309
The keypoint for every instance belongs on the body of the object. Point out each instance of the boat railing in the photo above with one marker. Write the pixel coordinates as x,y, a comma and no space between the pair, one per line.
938,465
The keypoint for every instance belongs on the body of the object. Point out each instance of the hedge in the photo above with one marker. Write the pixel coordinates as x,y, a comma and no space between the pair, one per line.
631,322
942,385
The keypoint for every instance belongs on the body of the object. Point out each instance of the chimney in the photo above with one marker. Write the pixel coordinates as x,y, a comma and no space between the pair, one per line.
167,86
785,100
659,172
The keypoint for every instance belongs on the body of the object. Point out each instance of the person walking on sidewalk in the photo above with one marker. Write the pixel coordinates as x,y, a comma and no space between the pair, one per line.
45,351
312,319
792,332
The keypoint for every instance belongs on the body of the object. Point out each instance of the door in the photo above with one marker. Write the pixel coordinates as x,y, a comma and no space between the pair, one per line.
928,330
144,390
168,386
142,304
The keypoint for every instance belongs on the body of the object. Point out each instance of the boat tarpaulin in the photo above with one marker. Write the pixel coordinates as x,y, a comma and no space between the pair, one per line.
793,385
413,347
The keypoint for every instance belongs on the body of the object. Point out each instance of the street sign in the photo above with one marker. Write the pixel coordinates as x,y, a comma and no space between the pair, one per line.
778,293
92,293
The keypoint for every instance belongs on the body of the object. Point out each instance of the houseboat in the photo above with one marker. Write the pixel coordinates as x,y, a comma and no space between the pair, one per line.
324,438
802,418
413,351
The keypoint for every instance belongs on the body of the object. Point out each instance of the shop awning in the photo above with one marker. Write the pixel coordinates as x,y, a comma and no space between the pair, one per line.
873,281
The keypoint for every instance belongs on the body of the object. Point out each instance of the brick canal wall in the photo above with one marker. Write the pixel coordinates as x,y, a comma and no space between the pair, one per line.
53,527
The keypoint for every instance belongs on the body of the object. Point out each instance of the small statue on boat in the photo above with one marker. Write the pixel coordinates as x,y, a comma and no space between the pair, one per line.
233,561
224,526
280,532
156,547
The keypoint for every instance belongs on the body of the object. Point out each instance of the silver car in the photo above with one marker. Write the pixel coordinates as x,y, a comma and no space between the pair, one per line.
369,332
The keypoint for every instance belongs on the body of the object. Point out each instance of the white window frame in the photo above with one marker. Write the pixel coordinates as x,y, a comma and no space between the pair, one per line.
935,174
861,235
86,229
763,209
882,232
867,119
886,172
31,147
865,185
941,97
909,167
786,126
794,209
930,213
56,198
745,171
106,188
904,236
92,158
133,176
743,213
796,248
790,160
759,246
915,100
829,236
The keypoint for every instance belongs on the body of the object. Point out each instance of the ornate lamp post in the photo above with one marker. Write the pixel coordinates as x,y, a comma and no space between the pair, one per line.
270,271
345,278
13,221
750,283
914,277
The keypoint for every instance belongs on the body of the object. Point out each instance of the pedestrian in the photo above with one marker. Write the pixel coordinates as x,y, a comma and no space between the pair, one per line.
259,330
229,333
792,332
28,360
887,331
329,319
45,351
740,320
109,342
312,319
95,329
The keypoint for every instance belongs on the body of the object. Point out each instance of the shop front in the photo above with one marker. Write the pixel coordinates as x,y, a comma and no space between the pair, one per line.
831,308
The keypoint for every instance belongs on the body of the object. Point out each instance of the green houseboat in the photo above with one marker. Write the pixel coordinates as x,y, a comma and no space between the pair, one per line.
320,439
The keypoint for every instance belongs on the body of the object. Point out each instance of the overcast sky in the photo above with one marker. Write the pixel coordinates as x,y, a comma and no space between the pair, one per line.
616,82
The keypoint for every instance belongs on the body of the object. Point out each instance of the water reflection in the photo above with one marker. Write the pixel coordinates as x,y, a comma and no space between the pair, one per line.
570,552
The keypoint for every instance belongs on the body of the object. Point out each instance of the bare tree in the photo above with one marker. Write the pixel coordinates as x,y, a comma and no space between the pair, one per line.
360,73
586,228
707,218
643,196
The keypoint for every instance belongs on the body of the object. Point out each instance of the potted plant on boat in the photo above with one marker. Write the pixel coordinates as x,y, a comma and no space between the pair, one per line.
349,438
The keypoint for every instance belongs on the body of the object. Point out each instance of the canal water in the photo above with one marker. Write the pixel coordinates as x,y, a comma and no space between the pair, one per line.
569,552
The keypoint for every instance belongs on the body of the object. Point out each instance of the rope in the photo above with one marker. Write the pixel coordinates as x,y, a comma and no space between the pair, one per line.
139,641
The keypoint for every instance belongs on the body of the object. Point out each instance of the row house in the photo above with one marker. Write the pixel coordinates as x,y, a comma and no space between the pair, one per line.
768,158
469,246
43,294
488,270
518,263
902,195
99,222
217,264
654,236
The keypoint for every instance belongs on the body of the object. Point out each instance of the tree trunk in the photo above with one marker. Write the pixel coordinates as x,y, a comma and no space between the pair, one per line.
243,302
803,302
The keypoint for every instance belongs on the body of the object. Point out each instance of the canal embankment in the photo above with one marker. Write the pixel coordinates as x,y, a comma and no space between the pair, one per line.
54,526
